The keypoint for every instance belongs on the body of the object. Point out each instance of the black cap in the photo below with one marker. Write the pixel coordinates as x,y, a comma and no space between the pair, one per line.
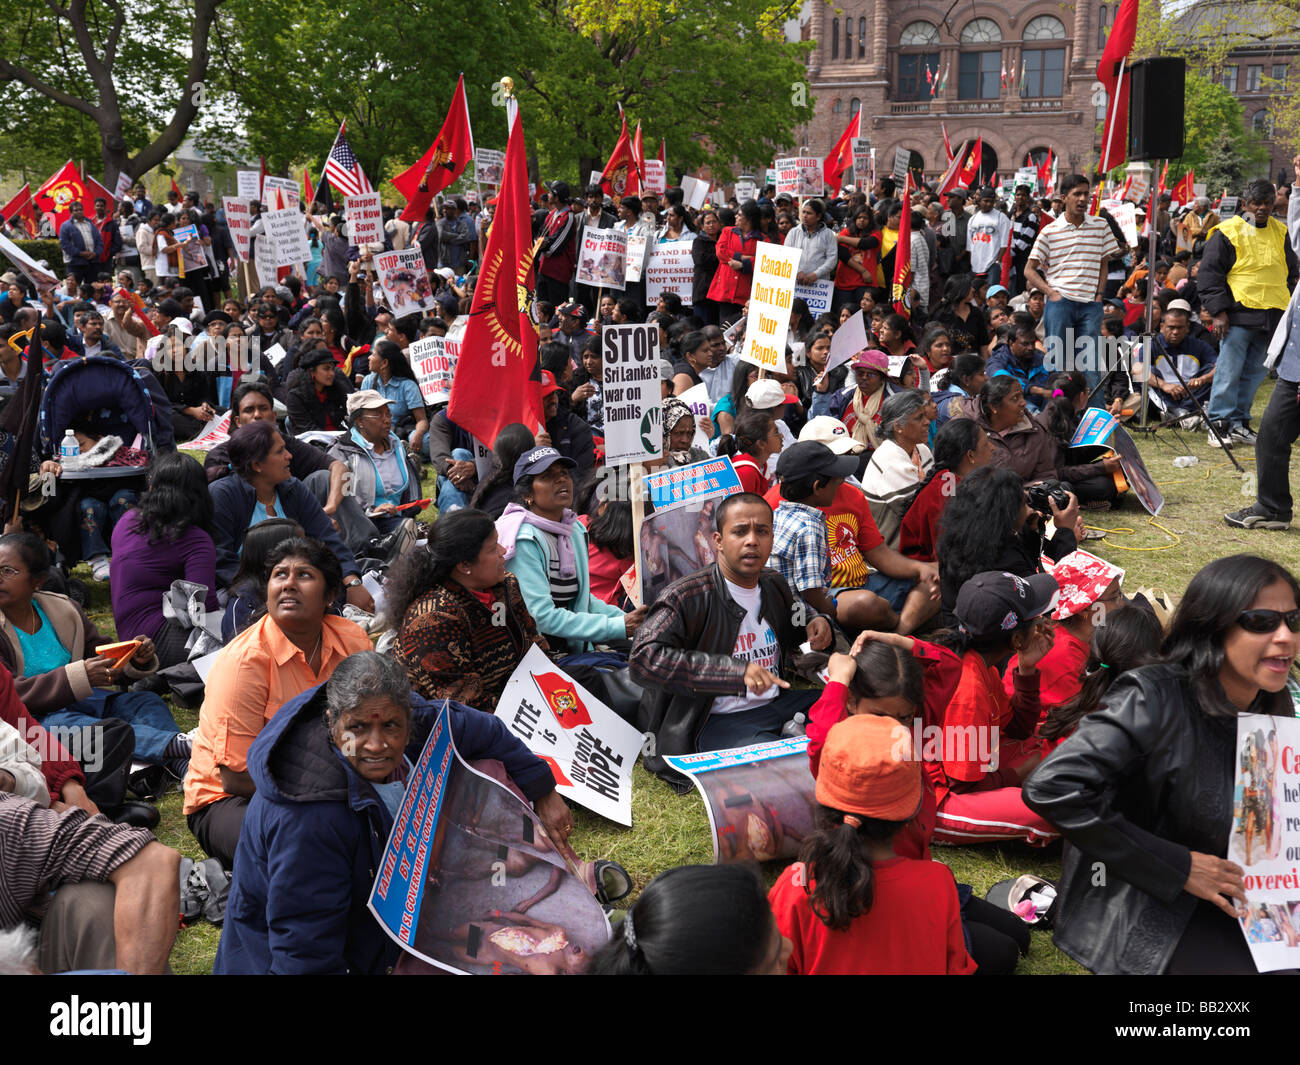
811,458
999,601
539,460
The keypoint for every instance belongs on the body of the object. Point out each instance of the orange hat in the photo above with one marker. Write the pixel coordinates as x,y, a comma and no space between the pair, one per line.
867,768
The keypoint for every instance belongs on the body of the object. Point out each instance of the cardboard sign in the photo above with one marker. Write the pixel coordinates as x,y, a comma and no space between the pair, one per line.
122,188
677,539
1138,187
248,182
289,234
280,193
365,219
1228,206
238,221
456,336
799,176
489,165
594,178
902,160
433,368
847,341
630,393
38,273
1026,175
770,296
1135,471
860,147
745,190
1125,213
656,176
818,296
265,255
636,249
670,269
694,192
602,258
404,281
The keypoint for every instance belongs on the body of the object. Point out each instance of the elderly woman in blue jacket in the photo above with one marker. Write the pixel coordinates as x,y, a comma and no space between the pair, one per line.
331,769
546,550
383,476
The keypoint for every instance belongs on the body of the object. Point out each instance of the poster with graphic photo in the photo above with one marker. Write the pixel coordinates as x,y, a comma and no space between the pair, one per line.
404,281
602,258
677,539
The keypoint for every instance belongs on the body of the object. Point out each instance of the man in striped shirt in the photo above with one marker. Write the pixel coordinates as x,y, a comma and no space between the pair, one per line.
1068,262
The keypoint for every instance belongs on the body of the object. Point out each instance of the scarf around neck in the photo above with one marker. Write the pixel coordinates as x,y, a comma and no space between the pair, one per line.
515,516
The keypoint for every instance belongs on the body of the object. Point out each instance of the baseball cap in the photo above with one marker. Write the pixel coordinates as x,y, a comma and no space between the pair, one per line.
809,458
833,433
959,191
995,290
868,768
572,309
445,272
996,601
871,359
665,370
366,399
539,460
765,394
184,325
1083,578
549,385
1179,305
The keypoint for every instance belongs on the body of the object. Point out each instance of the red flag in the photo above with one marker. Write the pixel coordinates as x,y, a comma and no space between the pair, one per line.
663,154
1045,170
562,697
176,189
1183,193
841,155
498,379
903,252
308,193
1112,72
21,207
60,191
947,147
560,779
638,151
620,177
1097,195
1006,259
450,153
137,304
1164,176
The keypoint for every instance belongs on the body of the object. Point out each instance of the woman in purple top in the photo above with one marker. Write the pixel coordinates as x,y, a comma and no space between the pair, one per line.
164,539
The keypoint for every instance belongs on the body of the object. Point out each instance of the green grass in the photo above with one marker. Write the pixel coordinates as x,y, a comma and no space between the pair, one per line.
671,829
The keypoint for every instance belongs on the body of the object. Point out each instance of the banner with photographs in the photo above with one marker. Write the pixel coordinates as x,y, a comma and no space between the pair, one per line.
470,883
404,281
677,539
602,259
799,176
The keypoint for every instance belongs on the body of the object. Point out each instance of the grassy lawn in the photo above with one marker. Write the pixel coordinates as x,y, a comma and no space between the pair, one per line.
671,829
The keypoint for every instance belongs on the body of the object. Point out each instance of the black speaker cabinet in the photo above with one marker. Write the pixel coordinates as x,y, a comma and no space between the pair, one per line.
1156,122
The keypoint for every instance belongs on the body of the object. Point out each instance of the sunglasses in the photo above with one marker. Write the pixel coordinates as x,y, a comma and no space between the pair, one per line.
1262,621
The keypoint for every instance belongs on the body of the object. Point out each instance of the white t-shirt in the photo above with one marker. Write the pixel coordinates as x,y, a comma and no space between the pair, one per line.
986,239
756,642
164,265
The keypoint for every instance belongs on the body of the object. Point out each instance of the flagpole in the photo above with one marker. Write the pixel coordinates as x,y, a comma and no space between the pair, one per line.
1110,126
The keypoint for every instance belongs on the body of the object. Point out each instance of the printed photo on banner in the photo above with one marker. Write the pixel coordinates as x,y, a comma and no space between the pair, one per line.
590,749
860,149
238,221
433,368
799,176
768,322
489,165
280,193
404,281
761,800
630,393
670,269
602,259
469,882
365,219
677,539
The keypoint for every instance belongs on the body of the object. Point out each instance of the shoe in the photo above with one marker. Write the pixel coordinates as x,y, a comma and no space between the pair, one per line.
1244,433
1191,421
1099,506
1256,517
99,566
402,540
135,814
1225,437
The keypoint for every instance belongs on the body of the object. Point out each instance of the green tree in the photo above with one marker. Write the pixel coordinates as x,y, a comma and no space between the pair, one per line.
1214,124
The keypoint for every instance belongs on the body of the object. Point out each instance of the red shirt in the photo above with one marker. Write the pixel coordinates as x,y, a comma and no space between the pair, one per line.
912,928
752,477
1060,672
850,531
920,529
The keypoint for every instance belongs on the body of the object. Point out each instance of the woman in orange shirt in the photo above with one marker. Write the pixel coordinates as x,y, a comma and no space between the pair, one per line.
294,646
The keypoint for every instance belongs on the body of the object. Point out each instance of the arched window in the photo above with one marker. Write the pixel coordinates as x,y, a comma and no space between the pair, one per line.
839,107
1262,123
835,40
918,35
981,31
1045,28
855,105
862,38
848,38
1105,19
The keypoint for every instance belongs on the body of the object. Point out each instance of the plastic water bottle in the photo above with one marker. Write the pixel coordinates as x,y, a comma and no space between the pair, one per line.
794,727
68,446
1186,460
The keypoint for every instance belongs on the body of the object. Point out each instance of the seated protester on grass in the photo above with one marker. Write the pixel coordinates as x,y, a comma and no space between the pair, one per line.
263,488
696,354
808,375
858,407
610,548
163,539
1018,357
1092,482
294,646
851,905
588,393
451,452
317,396
936,348
901,463
964,378
964,321
20,762
696,920
546,550
754,439
1129,640
988,746
392,377
329,773
192,393
715,645
959,447
115,889
246,600
49,645
462,626
988,524
1020,444
1195,360
679,434
383,475
494,494
1090,593
775,395
565,431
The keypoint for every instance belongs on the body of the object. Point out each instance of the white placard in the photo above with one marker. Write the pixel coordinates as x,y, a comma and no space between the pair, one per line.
288,231
697,398
38,275
902,160
1228,206
635,263
860,147
275,354
249,184
489,165
456,335
602,258
799,176
265,255
630,393
745,190
1026,175
287,189
404,281
847,341
656,176
670,269
365,219
817,295
1125,213
122,188
238,221
594,178
433,368
694,192
770,296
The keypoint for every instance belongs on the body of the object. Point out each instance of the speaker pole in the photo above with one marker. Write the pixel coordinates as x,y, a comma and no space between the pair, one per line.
1151,292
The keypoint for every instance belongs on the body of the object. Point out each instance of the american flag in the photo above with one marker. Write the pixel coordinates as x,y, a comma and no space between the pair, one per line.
342,168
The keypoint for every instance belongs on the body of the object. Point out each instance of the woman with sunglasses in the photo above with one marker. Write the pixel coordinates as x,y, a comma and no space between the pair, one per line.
1144,790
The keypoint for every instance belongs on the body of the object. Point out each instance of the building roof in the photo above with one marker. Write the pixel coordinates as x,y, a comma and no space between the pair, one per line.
1251,24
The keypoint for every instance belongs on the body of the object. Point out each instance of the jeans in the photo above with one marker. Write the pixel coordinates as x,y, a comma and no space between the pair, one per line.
98,519
1278,430
145,712
449,496
760,725
1084,320
1237,374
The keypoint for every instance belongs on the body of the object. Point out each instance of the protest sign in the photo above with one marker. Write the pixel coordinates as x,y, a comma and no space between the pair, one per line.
602,259
902,160
404,281
433,368
456,336
849,339
275,354
489,165
694,192
248,182
38,273
216,432
860,147
238,221
770,296
677,539
761,799
817,296
1125,214
1095,427
183,233
594,178
1198,188
469,881
265,255
1026,175
287,231
559,720
122,187
697,398
656,176
670,269
630,394
1265,837
635,261
799,175
1138,187
744,191
365,219
769,177
280,193
1135,472
1228,206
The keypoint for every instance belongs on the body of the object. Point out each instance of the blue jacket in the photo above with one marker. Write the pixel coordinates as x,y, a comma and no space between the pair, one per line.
314,835
71,243
1001,361
233,501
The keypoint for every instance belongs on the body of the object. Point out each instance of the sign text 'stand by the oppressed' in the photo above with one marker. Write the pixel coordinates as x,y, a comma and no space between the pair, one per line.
670,269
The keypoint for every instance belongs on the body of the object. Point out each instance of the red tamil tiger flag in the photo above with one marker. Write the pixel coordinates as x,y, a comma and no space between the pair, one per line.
841,156
947,146
21,207
620,177
638,150
61,190
1112,72
308,192
561,695
1183,192
903,253
965,173
560,779
498,379
450,153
